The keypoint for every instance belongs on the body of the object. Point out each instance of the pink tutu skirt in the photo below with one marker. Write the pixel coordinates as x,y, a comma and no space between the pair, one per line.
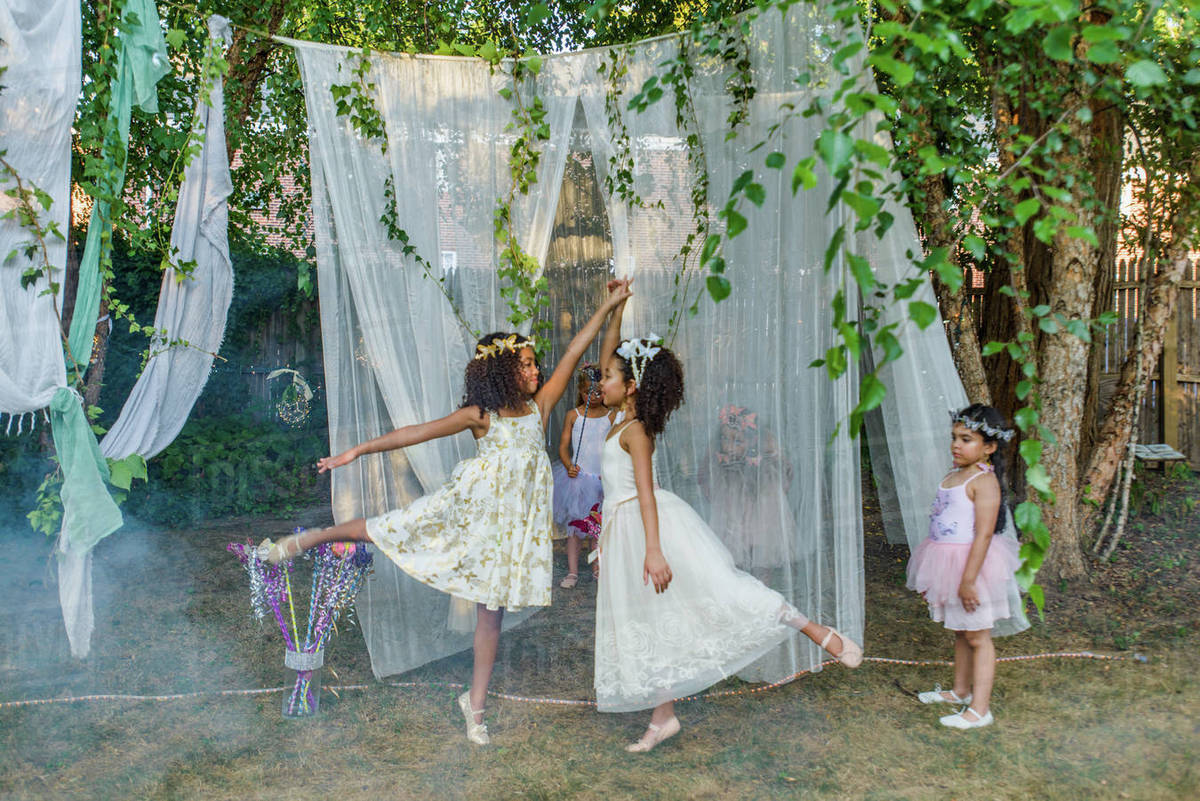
936,569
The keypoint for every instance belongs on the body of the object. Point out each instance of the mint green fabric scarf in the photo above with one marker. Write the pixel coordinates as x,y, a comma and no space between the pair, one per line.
141,62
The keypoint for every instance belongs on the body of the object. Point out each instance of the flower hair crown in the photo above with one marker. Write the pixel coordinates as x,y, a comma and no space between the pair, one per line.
498,346
979,425
638,352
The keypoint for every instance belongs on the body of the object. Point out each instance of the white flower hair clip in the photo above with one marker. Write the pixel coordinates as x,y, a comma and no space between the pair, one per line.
979,425
638,352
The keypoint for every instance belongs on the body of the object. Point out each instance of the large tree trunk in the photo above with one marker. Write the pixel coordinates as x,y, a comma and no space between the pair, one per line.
1107,131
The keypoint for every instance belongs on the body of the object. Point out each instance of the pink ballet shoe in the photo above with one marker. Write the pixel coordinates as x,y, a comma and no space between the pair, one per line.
569,581
654,735
851,655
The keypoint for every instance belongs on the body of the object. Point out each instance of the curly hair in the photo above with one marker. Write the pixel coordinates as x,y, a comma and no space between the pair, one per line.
491,383
660,391
979,413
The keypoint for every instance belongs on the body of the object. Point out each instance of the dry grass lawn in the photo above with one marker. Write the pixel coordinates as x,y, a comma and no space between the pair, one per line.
172,617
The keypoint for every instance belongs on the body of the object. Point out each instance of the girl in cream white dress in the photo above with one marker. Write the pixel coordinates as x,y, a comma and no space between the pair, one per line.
673,613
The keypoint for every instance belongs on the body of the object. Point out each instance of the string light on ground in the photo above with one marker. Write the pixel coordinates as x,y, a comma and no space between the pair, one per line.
533,699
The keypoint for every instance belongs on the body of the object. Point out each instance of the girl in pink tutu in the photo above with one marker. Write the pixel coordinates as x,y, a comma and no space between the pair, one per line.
577,489
963,570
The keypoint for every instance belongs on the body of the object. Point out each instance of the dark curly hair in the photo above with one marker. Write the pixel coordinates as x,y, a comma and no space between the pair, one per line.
980,414
491,383
660,391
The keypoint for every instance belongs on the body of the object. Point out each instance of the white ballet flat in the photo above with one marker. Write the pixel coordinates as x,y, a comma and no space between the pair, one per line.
476,732
938,696
959,721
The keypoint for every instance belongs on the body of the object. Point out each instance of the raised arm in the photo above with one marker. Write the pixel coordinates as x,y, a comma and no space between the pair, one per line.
549,393
612,336
468,417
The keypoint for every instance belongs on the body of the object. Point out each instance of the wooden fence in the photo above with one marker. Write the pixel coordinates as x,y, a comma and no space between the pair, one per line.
1170,411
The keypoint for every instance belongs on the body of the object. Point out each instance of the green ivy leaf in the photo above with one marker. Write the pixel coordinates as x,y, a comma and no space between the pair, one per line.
776,160
900,72
975,246
871,392
835,149
839,236
1104,53
718,287
922,313
1057,43
536,14
1026,209
803,175
1037,478
860,268
1145,73
756,194
835,362
735,222
1027,515
1085,233
1031,452
864,207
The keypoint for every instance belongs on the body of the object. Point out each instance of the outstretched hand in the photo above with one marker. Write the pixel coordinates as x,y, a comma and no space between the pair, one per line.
655,569
330,462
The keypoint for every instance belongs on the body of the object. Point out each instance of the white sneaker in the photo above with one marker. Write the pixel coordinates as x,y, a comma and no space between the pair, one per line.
959,721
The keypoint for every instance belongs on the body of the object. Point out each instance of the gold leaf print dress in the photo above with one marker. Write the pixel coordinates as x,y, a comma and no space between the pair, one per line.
484,535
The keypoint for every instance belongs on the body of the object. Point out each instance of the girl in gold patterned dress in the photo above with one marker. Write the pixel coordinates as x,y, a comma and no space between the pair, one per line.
485,535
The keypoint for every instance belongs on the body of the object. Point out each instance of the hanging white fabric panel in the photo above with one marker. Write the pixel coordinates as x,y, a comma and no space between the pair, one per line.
40,46
191,309
752,448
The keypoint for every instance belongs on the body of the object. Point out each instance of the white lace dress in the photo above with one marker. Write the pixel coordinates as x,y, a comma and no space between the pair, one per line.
484,535
712,621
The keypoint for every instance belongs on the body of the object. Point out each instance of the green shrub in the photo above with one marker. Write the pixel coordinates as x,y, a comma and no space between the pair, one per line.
220,467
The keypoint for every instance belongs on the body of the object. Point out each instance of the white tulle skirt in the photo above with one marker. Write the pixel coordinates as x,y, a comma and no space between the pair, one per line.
711,622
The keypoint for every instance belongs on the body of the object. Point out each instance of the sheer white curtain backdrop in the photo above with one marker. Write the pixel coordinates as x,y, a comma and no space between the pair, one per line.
191,309
753,446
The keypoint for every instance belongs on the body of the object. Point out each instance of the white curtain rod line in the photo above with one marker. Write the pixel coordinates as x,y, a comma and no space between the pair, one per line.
440,57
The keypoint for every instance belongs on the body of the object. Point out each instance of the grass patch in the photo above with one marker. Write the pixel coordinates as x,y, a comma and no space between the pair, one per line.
172,616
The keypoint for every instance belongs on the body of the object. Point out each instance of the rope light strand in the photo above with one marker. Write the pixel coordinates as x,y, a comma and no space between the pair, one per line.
531,699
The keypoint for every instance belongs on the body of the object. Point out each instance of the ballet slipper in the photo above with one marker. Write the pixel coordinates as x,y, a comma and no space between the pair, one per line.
476,732
851,655
959,719
654,735
569,581
939,696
